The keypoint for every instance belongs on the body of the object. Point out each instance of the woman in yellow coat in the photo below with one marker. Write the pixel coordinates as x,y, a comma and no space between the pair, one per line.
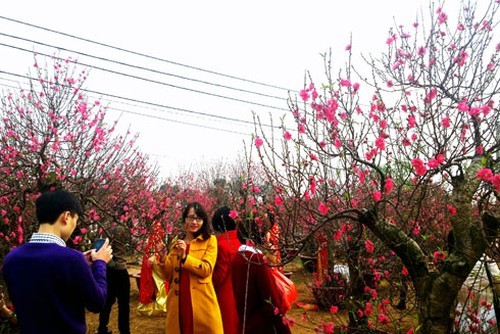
192,306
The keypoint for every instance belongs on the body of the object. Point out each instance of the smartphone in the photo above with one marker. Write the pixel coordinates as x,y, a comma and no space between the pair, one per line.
98,243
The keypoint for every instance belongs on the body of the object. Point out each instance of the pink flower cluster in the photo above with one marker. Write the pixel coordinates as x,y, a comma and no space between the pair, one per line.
487,175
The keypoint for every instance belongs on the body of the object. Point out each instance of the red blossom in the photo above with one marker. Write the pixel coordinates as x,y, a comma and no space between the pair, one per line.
370,246
323,208
258,142
419,166
452,210
485,174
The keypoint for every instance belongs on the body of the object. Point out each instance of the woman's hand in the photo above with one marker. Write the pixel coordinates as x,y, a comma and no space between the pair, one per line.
181,246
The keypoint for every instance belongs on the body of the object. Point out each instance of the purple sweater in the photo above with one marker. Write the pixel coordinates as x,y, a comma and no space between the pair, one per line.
50,287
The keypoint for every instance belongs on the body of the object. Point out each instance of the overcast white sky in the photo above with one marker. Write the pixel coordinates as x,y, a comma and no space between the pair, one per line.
272,42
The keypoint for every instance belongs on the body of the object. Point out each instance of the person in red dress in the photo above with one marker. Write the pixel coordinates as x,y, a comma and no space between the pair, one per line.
228,244
257,298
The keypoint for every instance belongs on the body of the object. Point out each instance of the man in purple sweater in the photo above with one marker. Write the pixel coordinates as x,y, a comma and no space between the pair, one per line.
50,285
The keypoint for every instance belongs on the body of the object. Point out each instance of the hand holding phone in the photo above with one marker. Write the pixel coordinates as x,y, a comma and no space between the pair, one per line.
98,243
102,250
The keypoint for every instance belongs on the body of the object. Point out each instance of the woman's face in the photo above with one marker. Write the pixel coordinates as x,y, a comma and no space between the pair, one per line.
193,223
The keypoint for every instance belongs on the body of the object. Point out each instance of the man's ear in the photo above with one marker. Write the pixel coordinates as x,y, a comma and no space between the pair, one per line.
65,216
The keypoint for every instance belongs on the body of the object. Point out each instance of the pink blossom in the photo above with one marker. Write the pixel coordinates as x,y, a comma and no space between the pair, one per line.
345,83
304,95
446,122
302,128
397,64
485,174
323,208
451,209
461,58
495,180
438,256
368,309
380,143
337,143
377,195
287,135
421,51
370,246
442,18
411,121
258,142
348,47
233,214
479,150
278,200
355,86
338,235
389,83
314,94
334,309
313,157
405,271
389,185
474,111
419,166
491,67
431,95
440,158
383,319
485,109
312,184
433,163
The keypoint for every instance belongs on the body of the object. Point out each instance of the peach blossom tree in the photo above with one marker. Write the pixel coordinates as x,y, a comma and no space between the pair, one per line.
54,135
404,152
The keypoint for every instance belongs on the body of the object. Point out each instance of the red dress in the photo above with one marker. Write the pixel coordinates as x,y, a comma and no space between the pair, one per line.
259,293
185,306
228,245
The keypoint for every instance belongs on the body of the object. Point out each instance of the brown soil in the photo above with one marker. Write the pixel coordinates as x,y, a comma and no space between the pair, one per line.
304,322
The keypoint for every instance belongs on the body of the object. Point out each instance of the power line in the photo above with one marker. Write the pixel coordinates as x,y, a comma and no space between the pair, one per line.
142,68
150,80
151,104
144,55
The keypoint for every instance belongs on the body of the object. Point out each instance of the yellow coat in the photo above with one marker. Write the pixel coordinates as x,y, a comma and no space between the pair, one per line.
200,264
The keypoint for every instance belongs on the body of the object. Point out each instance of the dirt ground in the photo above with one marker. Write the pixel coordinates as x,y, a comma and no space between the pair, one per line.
156,325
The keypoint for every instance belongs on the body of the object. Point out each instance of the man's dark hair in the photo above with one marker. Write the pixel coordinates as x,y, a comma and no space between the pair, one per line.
221,220
199,210
50,205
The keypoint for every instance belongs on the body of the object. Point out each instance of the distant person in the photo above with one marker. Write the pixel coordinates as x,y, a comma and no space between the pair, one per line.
49,284
227,246
258,301
118,283
192,306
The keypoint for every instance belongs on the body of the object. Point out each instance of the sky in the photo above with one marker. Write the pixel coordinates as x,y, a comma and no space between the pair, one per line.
188,76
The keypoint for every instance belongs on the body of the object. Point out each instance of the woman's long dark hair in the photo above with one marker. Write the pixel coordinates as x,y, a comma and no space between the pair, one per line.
199,210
